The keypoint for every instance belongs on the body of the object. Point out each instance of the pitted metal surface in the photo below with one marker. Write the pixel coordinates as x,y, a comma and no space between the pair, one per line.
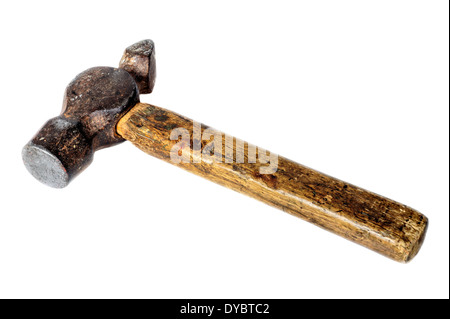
44,166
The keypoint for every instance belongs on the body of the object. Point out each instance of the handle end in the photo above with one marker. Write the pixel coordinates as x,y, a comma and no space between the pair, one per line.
417,244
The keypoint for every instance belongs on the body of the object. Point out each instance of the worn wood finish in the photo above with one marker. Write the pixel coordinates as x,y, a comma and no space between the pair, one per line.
378,223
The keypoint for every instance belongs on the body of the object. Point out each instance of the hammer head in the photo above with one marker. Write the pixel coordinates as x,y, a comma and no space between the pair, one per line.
93,103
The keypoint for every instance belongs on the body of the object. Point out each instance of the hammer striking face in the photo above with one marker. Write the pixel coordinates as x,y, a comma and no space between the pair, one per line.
101,108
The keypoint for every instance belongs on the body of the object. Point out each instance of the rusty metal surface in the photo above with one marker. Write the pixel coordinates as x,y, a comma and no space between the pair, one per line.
93,103
139,60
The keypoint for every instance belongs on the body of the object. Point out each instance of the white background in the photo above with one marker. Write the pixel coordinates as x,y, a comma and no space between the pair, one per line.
355,89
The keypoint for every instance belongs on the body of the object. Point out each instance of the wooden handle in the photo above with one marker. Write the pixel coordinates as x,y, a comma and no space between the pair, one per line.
385,226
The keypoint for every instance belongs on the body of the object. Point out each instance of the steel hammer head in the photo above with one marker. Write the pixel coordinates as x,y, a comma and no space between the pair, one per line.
139,60
93,104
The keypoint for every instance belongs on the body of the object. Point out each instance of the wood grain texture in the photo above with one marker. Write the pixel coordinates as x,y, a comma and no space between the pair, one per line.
383,225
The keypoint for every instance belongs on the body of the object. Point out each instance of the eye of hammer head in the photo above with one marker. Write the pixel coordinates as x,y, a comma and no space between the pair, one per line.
93,104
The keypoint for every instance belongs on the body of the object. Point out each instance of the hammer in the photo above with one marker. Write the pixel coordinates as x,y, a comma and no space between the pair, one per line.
101,108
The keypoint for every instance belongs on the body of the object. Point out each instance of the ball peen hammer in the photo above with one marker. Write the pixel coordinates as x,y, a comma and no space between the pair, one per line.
101,108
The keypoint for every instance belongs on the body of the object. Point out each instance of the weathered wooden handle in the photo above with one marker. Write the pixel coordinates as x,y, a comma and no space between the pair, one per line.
378,223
